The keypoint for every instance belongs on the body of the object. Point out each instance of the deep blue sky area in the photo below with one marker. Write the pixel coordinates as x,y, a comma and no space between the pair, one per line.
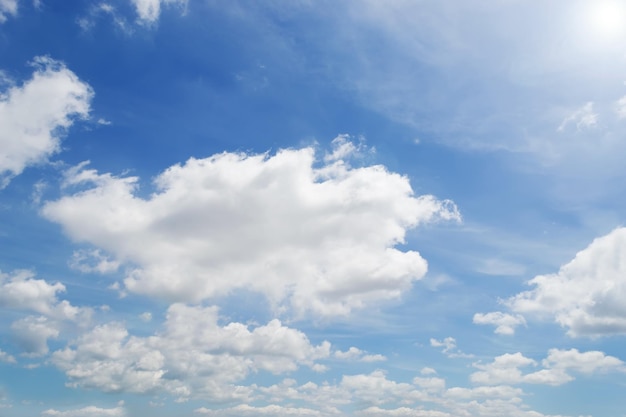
293,208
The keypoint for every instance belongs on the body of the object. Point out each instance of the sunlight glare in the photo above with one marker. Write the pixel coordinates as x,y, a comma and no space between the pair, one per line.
607,19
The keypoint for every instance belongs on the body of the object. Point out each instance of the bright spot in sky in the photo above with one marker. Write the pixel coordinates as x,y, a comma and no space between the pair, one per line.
607,19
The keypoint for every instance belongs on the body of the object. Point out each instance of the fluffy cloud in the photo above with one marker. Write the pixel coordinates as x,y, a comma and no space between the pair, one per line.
505,369
357,354
5,357
34,116
401,412
319,239
90,411
505,323
586,295
376,395
192,357
93,261
21,291
32,334
7,7
150,10
449,348
271,410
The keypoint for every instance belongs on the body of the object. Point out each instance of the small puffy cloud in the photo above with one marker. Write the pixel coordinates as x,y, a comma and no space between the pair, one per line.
149,11
343,148
357,354
21,291
7,7
505,323
89,261
449,348
146,316
6,358
90,411
193,356
318,239
505,369
587,294
32,334
582,118
34,115
583,362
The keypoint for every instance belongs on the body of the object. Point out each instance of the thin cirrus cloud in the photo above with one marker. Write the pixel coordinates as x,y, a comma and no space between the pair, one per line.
314,237
34,115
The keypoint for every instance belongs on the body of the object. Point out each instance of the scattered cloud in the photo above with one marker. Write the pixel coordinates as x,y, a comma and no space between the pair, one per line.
449,348
583,118
93,260
320,239
90,411
271,410
35,115
505,369
149,11
192,356
21,291
6,358
505,323
586,295
357,354
32,334
7,7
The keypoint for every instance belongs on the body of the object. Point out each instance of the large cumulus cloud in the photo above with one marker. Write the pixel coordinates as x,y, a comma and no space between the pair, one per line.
316,237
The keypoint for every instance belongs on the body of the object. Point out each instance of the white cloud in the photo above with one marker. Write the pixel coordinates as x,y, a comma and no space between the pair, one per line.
377,389
32,334
586,362
505,369
505,323
375,394
357,354
582,118
498,391
271,410
5,357
93,260
34,116
191,357
318,239
586,295
21,291
90,411
7,7
449,348
401,412
150,10
620,108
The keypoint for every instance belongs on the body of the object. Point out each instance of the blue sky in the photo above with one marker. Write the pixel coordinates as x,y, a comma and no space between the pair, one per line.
298,208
